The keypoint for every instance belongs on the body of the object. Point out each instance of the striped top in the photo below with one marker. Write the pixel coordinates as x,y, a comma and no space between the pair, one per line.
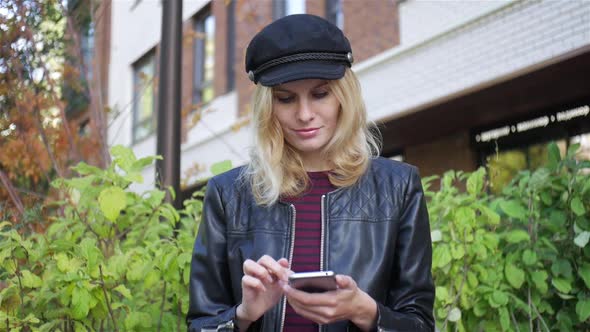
308,231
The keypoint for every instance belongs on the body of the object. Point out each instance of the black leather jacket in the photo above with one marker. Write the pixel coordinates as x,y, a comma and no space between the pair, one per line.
376,231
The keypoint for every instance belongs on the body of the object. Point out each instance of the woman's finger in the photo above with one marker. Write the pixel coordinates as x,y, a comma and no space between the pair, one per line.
254,269
275,268
254,283
329,298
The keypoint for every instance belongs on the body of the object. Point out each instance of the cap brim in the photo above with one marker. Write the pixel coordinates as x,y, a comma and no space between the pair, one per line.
302,70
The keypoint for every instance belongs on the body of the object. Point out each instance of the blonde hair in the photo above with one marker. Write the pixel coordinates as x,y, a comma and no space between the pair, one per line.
276,168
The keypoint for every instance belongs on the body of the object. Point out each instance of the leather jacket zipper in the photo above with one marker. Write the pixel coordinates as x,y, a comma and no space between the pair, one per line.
291,247
322,242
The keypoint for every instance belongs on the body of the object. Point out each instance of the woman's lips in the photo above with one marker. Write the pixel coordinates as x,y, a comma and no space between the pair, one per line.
307,132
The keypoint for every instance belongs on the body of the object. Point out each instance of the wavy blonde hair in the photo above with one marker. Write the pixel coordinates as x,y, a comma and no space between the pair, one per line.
276,169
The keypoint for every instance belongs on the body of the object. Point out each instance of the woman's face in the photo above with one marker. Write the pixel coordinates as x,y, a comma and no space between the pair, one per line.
307,111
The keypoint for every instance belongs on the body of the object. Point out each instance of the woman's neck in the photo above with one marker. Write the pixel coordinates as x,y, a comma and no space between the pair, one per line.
316,165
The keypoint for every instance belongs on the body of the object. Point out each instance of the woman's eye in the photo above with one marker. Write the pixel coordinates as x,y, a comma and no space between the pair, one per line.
320,95
284,100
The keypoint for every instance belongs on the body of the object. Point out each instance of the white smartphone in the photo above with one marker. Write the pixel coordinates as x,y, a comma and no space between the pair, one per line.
314,282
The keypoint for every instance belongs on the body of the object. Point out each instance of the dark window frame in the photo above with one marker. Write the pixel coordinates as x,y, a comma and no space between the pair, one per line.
334,13
199,85
230,45
137,91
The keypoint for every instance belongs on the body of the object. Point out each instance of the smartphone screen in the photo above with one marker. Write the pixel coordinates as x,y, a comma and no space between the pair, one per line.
313,282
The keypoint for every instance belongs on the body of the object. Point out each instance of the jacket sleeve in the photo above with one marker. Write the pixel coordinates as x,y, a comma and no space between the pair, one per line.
212,306
410,299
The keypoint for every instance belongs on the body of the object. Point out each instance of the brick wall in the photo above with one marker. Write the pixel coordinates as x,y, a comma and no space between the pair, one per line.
371,26
251,17
316,7
186,74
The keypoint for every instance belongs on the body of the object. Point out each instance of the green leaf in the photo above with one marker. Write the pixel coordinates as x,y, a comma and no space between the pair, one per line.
475,182
514,275
30,280
493,217
220,167
572,149
112,200
441,255
123,157
546,198
123,291
582,239
457,251
584,272
80,303
529,257
539,279
142,163
155,197
442,294
498,299
134,177
84,169
554,157
504,319
562,285
539,179
137,319
561,267
480,309
583,309
517,235
454,314
513,209
577,206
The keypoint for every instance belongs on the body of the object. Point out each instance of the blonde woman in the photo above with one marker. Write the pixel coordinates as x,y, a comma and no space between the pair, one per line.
315,197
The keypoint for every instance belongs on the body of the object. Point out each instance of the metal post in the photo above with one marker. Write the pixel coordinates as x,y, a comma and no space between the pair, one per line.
168,169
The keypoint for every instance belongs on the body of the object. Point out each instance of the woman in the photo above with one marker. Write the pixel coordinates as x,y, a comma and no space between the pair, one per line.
313,197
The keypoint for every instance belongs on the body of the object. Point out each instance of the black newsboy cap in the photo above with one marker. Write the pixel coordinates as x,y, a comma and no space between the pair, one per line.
297,47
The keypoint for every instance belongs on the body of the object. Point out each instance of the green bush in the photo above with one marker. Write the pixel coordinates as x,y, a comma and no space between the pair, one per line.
518,261
115,260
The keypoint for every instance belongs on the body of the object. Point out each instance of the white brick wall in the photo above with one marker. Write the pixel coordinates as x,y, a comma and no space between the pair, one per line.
422,19
507,39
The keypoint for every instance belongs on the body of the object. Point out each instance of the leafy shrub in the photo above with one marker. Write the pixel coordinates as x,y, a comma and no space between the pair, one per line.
112,260
115,260
518,261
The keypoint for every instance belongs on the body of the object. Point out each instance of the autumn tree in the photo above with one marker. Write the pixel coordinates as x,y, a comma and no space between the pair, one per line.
44,90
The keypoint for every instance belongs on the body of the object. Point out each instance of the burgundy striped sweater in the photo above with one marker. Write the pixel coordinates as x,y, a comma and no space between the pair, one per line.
306,252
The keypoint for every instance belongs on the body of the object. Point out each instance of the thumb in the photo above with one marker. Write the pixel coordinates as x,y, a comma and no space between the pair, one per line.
345,282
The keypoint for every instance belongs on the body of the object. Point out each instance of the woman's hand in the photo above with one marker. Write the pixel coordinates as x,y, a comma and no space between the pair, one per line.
261,288
348,302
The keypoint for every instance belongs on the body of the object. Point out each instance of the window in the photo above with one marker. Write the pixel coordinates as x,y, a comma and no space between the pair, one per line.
87,46
334,12
144,120
282,8
231,44
204,60
504,165
523,145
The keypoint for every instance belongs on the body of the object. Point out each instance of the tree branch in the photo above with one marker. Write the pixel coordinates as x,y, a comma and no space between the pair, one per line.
104,290
12,193
162,307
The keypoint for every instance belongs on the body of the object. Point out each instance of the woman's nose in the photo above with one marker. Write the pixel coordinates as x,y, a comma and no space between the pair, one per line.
305,112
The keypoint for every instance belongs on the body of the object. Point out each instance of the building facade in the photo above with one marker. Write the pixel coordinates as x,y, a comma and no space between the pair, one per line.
452,85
